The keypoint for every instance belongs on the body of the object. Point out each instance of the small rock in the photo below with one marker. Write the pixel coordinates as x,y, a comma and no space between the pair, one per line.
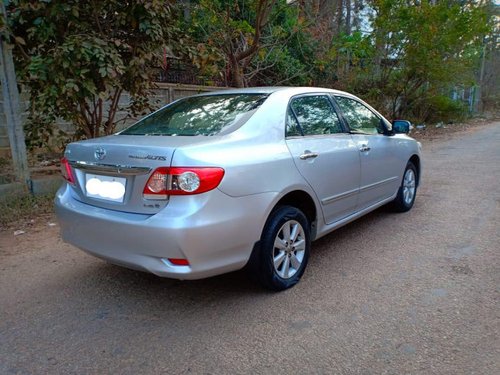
52,361
52,224
19,232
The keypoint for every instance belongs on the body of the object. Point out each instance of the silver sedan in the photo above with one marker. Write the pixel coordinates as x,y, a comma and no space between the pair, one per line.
248,177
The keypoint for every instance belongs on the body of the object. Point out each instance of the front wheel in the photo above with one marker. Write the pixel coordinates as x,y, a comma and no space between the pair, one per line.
407,191
284,249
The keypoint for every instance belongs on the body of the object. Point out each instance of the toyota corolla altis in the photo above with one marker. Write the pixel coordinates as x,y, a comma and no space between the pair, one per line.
247,177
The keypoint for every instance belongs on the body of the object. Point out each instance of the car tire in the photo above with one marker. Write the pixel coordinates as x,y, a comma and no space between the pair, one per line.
407,191
283,251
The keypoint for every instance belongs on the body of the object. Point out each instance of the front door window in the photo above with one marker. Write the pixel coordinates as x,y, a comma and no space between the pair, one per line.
360,118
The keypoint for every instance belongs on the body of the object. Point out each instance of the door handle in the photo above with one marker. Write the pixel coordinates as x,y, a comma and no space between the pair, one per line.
364,148
308,155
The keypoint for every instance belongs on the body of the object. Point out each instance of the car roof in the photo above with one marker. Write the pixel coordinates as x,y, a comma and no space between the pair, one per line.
271,89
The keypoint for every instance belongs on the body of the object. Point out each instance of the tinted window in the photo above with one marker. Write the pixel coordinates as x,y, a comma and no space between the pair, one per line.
199,115
359,117
292,126
316,115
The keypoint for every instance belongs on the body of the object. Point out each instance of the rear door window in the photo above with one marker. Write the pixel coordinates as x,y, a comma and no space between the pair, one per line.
315,115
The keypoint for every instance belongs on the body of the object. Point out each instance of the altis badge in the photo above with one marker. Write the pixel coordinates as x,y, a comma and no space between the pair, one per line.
149,157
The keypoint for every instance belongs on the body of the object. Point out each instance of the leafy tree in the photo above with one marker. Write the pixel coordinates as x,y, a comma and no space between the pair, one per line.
234,30
254,42
404,56
77,58
416,53
428,48
287,55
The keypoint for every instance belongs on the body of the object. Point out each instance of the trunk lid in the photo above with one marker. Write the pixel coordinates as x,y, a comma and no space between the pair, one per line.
125,162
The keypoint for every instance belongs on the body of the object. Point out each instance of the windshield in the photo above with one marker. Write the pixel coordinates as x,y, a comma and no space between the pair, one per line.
199,115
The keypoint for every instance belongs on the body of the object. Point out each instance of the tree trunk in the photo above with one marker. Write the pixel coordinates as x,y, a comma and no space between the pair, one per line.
348,17
239,61
356,19
339,17
236,72
238,80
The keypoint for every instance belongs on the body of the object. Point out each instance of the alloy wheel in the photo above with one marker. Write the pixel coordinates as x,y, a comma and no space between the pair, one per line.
409,184
289,249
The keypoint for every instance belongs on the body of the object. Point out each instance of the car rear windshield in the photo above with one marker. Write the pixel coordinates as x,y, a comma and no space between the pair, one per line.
199,115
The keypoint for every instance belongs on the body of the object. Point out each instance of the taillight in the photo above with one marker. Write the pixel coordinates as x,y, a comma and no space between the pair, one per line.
167,181
66,171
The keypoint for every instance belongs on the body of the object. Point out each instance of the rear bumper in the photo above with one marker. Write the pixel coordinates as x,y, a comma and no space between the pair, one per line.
213,231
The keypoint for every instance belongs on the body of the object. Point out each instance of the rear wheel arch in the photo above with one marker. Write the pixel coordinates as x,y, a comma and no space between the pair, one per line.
302,201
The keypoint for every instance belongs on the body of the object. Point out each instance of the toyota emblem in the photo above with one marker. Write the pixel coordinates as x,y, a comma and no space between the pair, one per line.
99,153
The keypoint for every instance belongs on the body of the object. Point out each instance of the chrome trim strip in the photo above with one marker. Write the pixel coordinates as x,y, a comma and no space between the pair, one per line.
349,193
110,168
337,197
325,229
377,184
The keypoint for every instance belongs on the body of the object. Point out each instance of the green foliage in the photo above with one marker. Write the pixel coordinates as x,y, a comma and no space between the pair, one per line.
424,50
415,53
443,109
227,30
40,131
224,29
287,54
78,57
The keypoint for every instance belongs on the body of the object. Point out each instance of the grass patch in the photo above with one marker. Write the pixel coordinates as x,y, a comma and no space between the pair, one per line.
15,208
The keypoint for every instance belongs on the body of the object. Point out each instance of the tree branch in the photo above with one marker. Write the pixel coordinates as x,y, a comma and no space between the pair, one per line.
264,7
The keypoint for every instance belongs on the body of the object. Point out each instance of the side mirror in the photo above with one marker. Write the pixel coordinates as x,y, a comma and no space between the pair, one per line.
401,126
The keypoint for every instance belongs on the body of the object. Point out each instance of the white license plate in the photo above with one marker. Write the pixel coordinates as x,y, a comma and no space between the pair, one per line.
105,187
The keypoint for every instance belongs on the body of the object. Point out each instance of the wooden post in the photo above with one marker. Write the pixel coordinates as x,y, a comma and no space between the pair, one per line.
12,109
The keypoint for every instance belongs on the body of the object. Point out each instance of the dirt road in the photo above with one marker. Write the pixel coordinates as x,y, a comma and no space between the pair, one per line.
413,293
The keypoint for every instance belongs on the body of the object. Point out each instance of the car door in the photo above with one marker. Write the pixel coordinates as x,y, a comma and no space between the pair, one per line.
380,174
324,153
